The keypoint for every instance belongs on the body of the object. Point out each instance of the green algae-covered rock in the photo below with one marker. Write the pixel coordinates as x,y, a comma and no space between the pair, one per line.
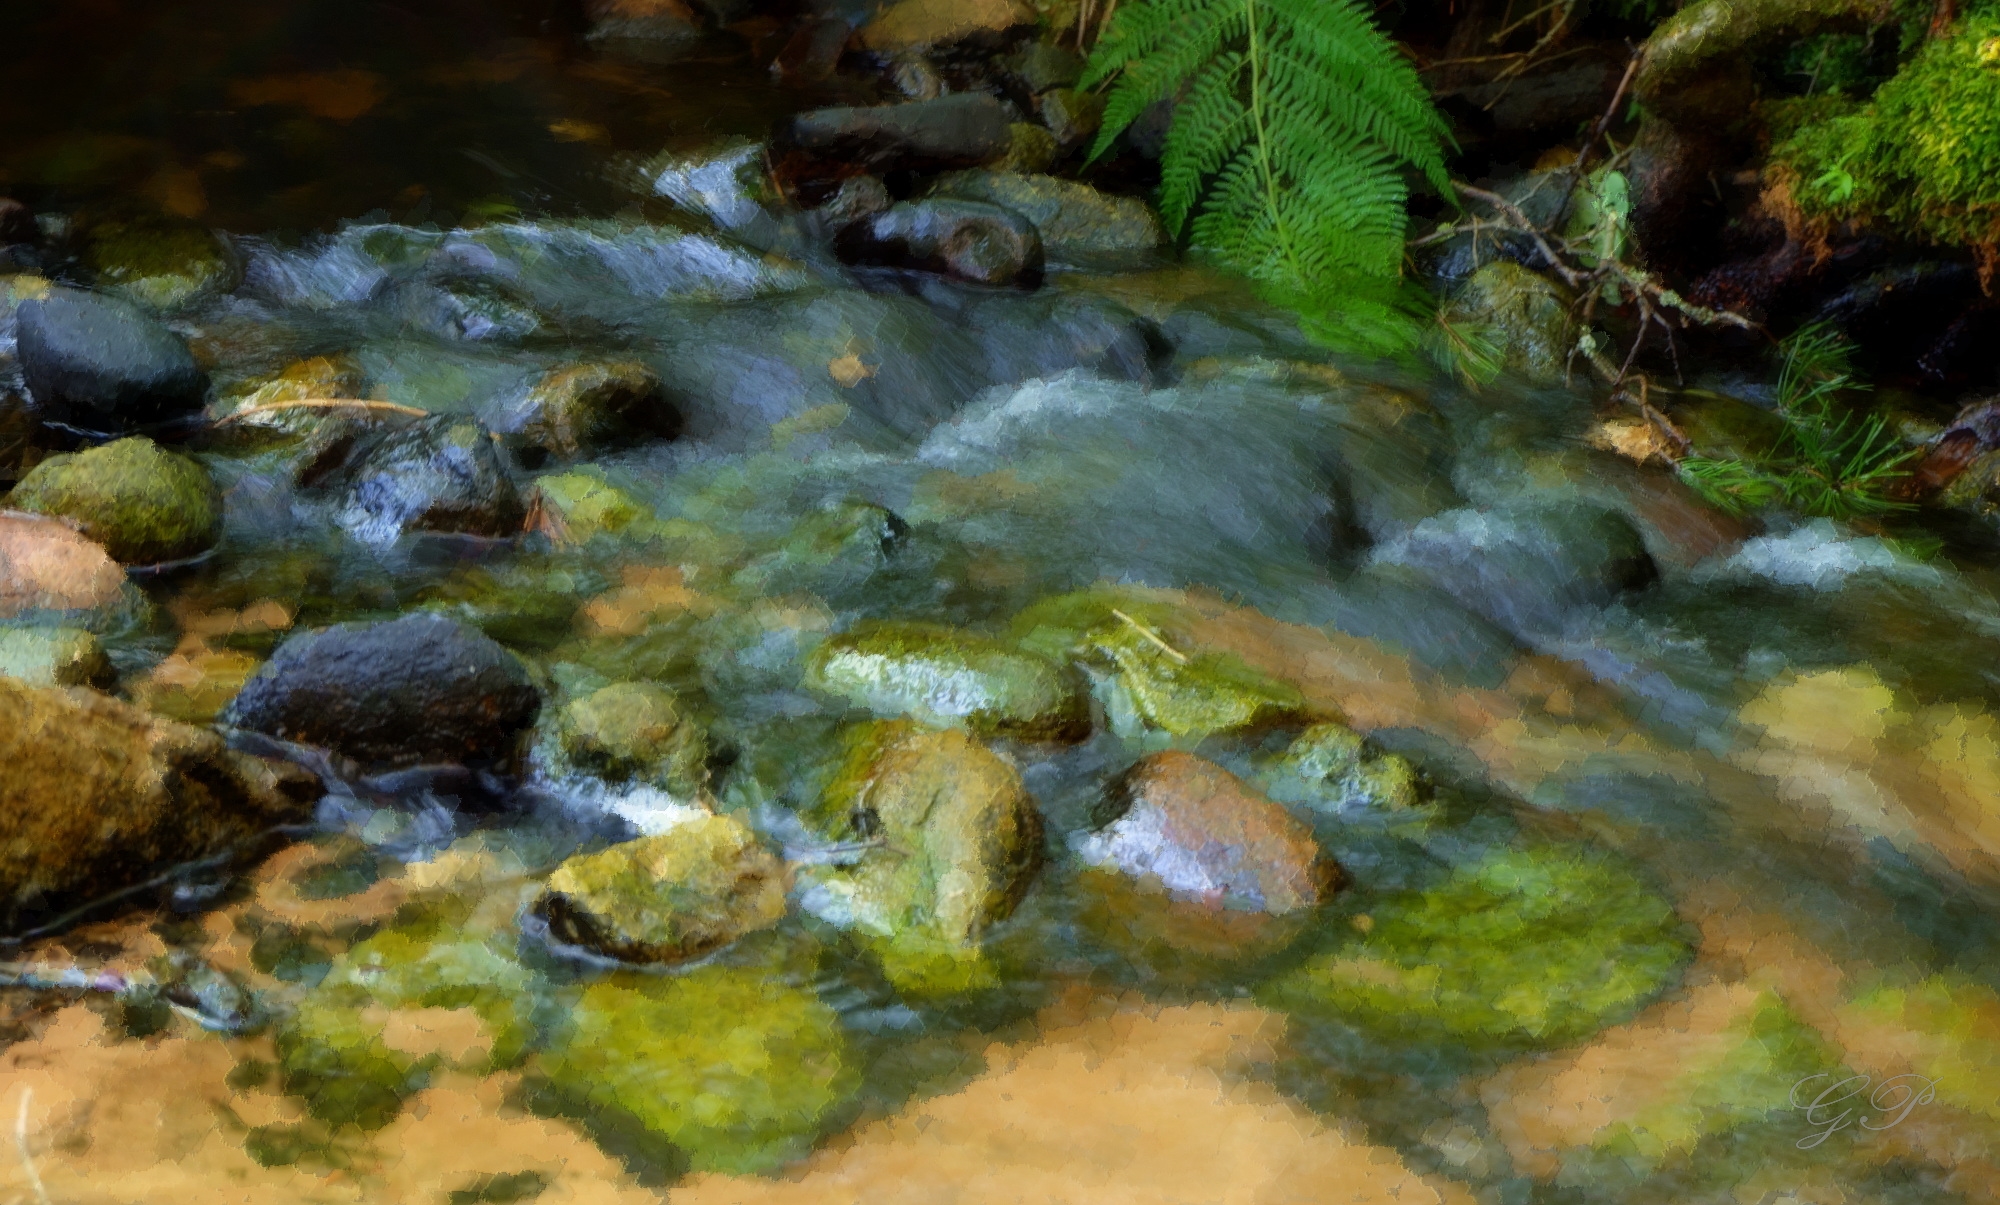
1948,1027
53,657
527,604
838,546
1542,945
736,1068
948,678
346,1050
1527,314
1187,695
143,503
578,408
156,262
669,897
635,731
580,505
1331,766
959,841
1071,217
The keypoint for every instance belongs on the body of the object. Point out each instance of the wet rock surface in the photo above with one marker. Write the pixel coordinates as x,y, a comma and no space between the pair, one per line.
966,240
144,504
1203,832
947,678
931,135
438,474
418,689
635,731
100,364
48,570
53,657
1071,218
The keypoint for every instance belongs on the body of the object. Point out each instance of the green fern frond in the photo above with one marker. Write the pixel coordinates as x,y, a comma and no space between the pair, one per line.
1295,126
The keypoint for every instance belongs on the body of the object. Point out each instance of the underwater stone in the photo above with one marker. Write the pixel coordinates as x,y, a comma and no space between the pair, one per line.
960,840
1542,945
948,678
159,264
53,657
635,731
102,365
49,573
581,408
193,687
1527,313
1201,831
1337,768
966,240
422,688
669,897
579,505
1189,696
733,1066
1070,217
836,547
144,504
441,474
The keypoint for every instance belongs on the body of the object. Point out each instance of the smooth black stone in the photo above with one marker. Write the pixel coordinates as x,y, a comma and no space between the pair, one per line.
101,365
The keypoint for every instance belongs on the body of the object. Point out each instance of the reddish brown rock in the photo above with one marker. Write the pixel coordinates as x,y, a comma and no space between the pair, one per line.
47,566
1202,831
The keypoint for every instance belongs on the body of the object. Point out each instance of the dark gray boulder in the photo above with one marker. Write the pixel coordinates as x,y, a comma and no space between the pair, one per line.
101,365
966,240
445,473
415,690
944,134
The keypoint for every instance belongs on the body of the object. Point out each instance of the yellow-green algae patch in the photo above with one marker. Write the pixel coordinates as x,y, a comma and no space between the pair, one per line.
947,679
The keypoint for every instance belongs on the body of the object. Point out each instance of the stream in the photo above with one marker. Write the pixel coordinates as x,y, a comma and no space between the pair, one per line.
1701,811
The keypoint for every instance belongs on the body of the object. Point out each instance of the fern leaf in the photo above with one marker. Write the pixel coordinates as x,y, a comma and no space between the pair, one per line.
1209,123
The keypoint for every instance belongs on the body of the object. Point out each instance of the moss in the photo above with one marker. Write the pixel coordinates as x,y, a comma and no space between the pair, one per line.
143,503
580,505
738,1070
1527,314
673,896
1950,1028
1541,945
1922,159
635,731
839,545
53,657
155,262
1185,695
525,604
1687,43
1330,765
948,678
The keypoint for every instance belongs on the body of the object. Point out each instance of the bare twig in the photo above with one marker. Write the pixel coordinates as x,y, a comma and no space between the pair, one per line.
1597,133
319,403
1153,636
21,1144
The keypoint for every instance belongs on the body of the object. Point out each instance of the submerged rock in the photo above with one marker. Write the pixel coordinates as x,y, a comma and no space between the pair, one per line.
97,794
635,731
1332,766
959,131
440,474
1542,945
733,1066
160,264
669,897
193,687
967,240
50,573
101,365
144,504
53,657
948,678
1202,831
581,408
728,186
422,688
960,841
829,551
1071,218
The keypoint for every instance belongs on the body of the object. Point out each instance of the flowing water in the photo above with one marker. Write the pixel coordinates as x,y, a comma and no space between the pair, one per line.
1787,731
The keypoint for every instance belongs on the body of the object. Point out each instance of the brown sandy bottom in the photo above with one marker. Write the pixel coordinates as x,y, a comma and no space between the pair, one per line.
1115,1102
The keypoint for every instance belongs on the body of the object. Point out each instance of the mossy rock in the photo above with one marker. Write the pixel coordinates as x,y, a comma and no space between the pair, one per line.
144,504
257,411
669,897
578,408
53,657
1189,696
337,1050
156,262
525,604
738,1070
958,843
948,678
635,731
837,547
1537,946
581,505
1332,767
1528,314
195,687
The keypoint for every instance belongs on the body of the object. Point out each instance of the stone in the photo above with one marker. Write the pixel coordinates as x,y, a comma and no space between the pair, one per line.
733,1066
959,131
1526,313
418,689
1071,218
947,678
1030,148
1152,684
907,25
194,686
829,552
959,841
1072,117
50,572
441,474
101,365
580,408
729,186
967,240
1040,66
1330,766
670,897
1203,832
259,410
160,264
144,504
635,731
663,24
53,657
97,795
580,505
1536,946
